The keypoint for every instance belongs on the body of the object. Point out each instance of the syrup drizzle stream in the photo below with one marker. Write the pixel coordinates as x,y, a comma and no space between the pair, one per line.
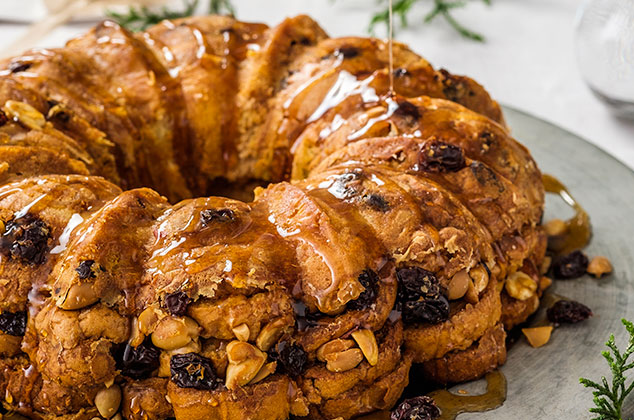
390,48
578,228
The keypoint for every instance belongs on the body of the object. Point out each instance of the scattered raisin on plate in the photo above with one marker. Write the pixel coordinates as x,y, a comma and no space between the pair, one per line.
568,312
370,281
420,297
191,370
570,266
417,408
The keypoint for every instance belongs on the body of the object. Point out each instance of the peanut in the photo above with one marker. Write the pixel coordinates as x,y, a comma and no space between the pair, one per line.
78,296
334,346
25,114
520,286
242,332
108,401
555,227
343,361
599,266
174,332
367,343
458,285
480,277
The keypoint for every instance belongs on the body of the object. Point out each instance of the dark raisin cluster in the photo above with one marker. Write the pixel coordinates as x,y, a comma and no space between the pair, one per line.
191,370
210,216
570,266
568,312
84,270
291,358
138,362
177,302
420,297
26,239
370,282
418,408
438,156
13,323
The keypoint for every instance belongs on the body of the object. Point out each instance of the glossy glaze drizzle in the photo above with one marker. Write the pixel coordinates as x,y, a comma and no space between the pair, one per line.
451,404
578,228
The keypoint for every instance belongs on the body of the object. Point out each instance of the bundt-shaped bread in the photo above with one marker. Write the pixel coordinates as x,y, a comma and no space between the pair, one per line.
396,227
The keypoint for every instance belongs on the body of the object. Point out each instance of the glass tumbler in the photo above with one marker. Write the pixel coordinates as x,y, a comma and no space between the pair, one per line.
604,44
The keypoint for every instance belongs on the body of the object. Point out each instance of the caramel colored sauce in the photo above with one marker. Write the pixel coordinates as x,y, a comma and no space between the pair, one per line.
451,404
578,228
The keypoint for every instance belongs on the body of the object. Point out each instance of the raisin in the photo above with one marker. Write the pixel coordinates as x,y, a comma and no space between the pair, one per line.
347,52
216,215
138,362
291,358
176,303
568,312
191,370
453,87
570,266
26,239
407,109
417,408
370,281
438,156
13,323
485,176
378,203
3,118
18,66
420,297
85,269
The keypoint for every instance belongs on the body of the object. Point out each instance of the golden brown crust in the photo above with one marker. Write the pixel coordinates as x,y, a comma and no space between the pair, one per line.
218,308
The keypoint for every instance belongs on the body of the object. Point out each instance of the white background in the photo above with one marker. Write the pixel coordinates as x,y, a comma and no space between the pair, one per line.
527,61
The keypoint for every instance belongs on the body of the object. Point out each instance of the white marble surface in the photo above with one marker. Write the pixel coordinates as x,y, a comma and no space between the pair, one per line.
527,61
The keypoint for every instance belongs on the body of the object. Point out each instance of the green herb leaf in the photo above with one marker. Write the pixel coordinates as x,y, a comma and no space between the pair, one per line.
402,8
609,398
139,19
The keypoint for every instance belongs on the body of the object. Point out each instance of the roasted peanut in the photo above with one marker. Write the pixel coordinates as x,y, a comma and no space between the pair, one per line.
458,285
545,266
108,401
270,334
136,336
174,332
266,370
149,318
367,343
472,296
599,266
78,296
25,114
242,332
545,283
537,336
555,227
520,286
334,346
480,277
245,361
343,361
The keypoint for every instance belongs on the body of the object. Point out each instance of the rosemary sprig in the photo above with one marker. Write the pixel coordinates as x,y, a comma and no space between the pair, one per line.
442,8
609,398
139,19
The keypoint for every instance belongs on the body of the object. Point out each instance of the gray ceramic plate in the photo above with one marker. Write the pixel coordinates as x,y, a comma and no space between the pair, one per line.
544,383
